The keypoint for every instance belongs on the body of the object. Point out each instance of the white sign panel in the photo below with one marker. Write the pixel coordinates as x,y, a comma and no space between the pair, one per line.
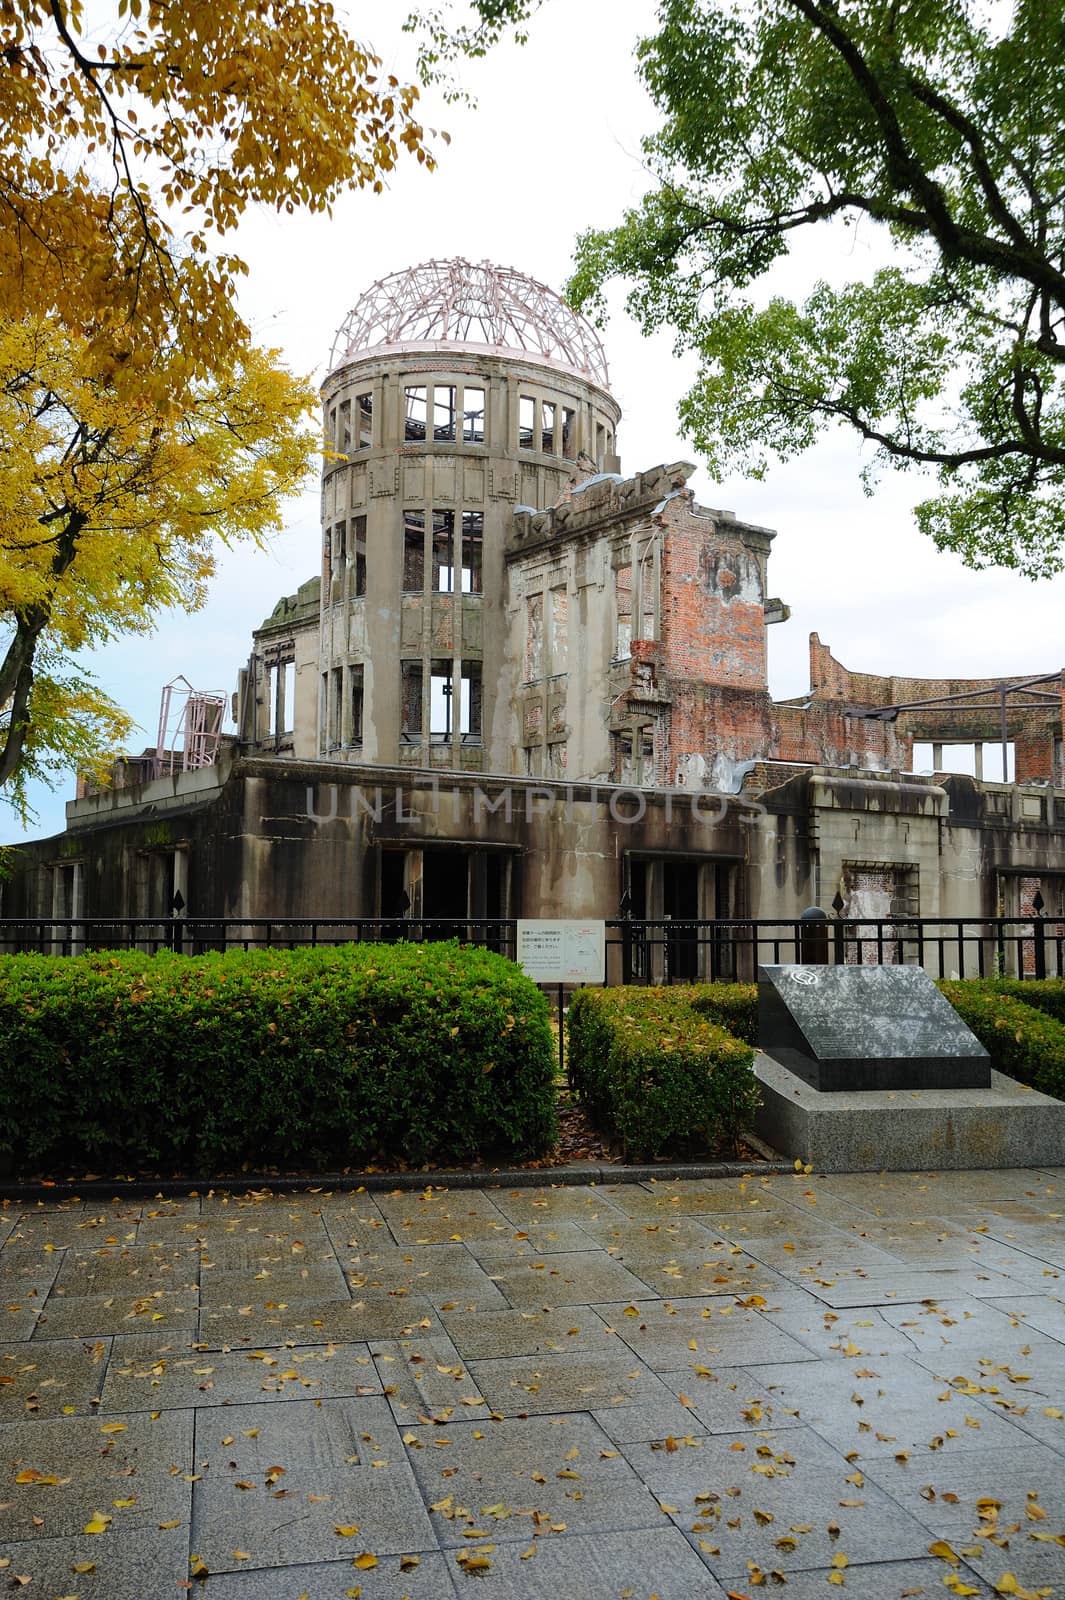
562,952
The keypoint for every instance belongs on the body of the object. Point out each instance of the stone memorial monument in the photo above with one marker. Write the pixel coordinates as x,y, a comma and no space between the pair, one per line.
866,1028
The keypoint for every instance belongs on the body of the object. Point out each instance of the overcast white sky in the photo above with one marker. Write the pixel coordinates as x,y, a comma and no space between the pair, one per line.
553,147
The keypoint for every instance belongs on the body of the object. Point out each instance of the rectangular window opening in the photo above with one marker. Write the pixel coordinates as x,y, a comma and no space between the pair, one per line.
623,593
415,416
473,429
358,543
336,720
470,700
444,552
344,437
534,637
441,697
355,685
270,691
411,726
526,422
414,551
287,710
547,427
365,421
472,551
569,433
445,413
600,445
340,560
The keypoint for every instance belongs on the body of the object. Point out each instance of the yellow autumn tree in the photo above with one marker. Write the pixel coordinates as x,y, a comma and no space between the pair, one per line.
112,507
139,421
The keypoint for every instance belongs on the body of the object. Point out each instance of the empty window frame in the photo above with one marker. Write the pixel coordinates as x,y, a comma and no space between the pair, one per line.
623,593
270,696
600,445
470,701
443,552
411,698
340,561
355,693
414,551
569,433
336,711
415,415
979,760
441,700
323,714
473,416
286,689
445,413
472,551
344,435
364,421
534,637
559,631
358,552
548,415
526,422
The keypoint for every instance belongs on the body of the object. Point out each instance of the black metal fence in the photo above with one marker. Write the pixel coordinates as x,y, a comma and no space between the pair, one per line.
637,951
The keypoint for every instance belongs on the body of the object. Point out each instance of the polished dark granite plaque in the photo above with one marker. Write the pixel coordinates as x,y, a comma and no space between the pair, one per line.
867,1028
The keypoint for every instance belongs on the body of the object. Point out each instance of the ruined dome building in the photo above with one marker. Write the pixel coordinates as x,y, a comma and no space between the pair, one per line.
520,674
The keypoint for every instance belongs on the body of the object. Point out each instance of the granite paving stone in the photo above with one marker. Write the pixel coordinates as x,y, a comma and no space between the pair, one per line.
318,1322
51,1379
536,1205
141,1461
145,1373
335,1580
268,1285
534,1385
876,1580
844,1335
80,1316
128,1269
131,1563
656,1562
740,1495
283,1483
506,1479
888,1406
673,1334
529,1239
482,1334
1021,1493
426,1380
438,1273
670,1388
712,1197
580,1277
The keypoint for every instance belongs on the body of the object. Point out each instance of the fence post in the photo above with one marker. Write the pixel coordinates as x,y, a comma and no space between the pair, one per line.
1040,932
813,937
839,952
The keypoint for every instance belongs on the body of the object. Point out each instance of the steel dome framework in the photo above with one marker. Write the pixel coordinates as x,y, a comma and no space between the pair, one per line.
480,304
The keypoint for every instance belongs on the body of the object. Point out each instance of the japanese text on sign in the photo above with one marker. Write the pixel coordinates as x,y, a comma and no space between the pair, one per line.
562,952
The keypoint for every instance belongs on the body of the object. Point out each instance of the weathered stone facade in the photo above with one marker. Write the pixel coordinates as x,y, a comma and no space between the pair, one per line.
523,683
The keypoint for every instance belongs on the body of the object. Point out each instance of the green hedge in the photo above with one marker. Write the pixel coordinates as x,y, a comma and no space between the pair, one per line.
1045,994
1023,1042
734,1006
654,1071
298,1057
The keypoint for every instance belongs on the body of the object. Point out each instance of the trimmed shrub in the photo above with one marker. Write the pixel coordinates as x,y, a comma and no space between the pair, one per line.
1045,994
1023,1042
651,1069
734,1006
303,1056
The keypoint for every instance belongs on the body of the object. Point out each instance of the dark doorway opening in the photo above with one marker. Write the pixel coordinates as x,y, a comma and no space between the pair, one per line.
446,892
394,899
680,903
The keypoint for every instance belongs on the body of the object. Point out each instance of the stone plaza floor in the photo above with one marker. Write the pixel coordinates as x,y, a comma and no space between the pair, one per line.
673,1389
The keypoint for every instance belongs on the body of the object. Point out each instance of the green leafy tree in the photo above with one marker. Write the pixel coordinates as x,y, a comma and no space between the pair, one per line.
939,130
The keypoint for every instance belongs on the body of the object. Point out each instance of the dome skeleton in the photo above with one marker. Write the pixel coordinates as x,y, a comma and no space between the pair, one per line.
482,305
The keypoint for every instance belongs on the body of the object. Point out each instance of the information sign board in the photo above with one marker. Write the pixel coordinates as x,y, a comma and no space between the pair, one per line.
567,951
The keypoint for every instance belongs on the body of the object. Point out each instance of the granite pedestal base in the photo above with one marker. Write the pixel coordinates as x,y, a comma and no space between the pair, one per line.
909,1130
